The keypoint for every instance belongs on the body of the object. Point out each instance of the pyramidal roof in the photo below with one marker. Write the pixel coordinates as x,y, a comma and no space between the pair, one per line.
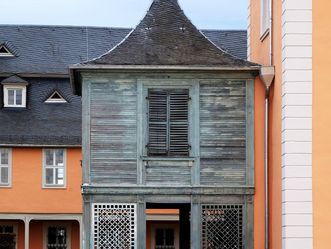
166,36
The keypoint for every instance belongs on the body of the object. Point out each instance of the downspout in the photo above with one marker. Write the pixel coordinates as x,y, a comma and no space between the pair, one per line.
267,74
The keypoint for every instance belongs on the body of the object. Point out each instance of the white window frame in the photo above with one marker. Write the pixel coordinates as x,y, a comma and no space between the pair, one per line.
46,225
51,100
9,166
264,18
14,225
8,87
7,54
45,185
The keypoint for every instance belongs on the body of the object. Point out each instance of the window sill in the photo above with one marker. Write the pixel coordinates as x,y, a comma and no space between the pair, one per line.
53,187
145,158
5,186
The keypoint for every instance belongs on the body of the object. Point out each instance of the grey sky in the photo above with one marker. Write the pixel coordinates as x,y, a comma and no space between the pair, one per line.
205,14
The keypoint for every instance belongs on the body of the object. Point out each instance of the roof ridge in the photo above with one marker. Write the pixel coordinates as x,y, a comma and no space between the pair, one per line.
166,36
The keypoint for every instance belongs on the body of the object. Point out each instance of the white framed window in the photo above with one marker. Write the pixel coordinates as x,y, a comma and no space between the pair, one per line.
4,51
14,96
265,18
57,235
8,234
5,167
56,97
54,168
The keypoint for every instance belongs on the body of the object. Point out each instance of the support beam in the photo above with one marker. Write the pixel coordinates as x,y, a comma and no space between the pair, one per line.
26,232
195,226
141,225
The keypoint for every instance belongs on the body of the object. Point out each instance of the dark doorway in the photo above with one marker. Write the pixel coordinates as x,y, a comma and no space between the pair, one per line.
168,226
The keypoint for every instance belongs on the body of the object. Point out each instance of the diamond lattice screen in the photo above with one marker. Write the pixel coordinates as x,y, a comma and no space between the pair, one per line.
114,226
222,226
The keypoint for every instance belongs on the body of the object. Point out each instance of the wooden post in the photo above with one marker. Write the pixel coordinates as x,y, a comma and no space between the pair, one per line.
195,224
141,224
26,232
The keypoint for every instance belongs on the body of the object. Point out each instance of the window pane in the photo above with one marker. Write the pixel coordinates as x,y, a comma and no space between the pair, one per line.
19,97
11,97
159,237
49,176
57,238
59,176
4,175
49,157
59,157
4,157
62,235
170,238
9,229
51,236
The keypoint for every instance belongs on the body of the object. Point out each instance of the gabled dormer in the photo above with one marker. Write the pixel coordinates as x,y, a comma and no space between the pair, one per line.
5,51
14,92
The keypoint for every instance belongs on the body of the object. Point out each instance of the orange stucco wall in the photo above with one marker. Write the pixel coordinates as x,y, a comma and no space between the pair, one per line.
260,54
321,124
37,234
27,195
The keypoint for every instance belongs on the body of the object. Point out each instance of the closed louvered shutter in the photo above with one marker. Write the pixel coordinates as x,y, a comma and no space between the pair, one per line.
168,122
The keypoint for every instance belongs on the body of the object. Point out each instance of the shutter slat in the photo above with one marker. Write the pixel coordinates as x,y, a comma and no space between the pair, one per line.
179,122
168,122
158,124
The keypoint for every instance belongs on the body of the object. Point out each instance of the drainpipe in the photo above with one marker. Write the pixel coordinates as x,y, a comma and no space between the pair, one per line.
267,74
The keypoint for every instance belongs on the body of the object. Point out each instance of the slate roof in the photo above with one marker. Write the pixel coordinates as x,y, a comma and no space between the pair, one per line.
43,123
166,36
14,80
51,49
41,55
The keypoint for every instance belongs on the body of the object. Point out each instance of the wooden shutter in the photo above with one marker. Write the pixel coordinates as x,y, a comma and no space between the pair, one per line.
168,122
158,122
178,137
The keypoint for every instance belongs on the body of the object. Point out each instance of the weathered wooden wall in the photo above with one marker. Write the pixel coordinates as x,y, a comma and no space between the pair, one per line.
117,121
113,132
222,132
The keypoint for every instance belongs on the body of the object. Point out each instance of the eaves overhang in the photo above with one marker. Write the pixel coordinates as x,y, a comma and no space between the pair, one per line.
76,70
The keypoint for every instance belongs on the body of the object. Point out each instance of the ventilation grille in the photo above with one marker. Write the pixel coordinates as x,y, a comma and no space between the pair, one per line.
114,226
222,227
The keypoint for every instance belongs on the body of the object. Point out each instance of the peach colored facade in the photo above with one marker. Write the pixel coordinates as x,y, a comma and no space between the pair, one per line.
321,123
299,123
32,208
258,51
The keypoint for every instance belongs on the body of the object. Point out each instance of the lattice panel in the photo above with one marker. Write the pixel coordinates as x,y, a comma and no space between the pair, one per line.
114,226
222,226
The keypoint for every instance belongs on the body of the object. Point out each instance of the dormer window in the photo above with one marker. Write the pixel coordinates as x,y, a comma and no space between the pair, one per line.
14,92
4,51
56,97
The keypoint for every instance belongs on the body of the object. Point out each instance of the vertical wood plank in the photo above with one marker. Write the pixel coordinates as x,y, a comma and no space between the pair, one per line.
249,226
195,131
195,223
250,132
87,242
86,130
141,223
140,133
